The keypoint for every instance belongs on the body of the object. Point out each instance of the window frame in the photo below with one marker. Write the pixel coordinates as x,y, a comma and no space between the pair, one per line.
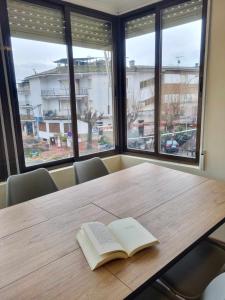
157,9
3,161
66,9
118,77
7,146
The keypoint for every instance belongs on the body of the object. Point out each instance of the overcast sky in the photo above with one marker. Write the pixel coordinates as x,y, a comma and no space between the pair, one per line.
181,41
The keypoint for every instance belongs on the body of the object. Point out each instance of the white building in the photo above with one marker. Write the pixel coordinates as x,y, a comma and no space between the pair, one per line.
44,98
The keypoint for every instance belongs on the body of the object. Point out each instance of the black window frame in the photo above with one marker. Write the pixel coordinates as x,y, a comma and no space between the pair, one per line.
119,79
157,9
8,159
66,9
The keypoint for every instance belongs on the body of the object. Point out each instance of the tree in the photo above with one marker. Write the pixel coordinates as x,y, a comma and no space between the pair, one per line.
171,112
132,116
90,117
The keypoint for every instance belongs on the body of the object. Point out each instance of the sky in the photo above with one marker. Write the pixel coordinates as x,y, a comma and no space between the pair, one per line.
181,41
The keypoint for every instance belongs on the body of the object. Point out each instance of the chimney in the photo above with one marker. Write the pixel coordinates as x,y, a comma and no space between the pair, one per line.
132,63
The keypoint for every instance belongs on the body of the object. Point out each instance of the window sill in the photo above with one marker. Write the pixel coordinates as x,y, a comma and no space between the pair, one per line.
131,159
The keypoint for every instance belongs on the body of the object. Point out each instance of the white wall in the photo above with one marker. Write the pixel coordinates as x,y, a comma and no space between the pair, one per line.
134,93
214,126
100,91
115,7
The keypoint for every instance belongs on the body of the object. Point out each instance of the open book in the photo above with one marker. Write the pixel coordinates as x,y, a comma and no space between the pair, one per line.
120,239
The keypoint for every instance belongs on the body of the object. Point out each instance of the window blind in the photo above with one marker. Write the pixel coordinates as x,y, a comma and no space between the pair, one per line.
35,22
90,32
173,16
181,14
140,26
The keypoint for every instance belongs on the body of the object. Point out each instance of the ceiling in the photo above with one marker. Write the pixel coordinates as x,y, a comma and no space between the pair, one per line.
115,7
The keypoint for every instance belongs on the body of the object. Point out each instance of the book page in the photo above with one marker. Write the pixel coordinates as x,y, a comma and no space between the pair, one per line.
102,238
132,235
93,258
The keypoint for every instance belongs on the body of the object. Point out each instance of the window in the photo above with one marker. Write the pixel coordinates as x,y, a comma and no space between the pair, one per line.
173,104
42,126
41,69
65,81
92,52
146,83
68,128
3,163
54,127
140,71
181,43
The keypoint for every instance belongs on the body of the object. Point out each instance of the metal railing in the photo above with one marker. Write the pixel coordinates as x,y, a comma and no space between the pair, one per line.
57,113
62,92
23,91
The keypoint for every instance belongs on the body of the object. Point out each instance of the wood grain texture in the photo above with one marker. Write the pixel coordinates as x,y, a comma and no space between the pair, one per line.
68,278
99,189
36,246
177,224
18,217
40,258
144,188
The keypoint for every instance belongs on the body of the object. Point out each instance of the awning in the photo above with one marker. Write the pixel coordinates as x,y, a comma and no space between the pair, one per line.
173,16
35,22
91,32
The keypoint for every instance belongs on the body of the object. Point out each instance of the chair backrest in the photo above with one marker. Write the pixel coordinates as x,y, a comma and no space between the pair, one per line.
216,289
156,291
27,186
89,169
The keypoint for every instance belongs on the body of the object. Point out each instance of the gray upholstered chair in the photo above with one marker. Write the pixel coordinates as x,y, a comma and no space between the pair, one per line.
27,186
192,274
155,292
89,169
216,289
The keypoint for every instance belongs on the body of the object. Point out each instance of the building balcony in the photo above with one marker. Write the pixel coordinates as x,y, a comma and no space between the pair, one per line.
57,114
63,92
26,117
23,91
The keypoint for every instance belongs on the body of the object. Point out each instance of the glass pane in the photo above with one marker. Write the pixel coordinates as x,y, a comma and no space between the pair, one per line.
43,94
181,41
140,82
92,52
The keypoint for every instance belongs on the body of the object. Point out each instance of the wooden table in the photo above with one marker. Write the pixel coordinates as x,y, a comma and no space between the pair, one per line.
39,255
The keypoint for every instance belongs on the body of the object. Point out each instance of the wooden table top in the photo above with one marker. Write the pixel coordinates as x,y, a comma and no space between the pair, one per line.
41,259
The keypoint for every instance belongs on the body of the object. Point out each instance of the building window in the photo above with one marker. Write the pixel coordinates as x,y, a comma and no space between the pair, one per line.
54,127
92,54
42,126
146,83
41,69
140,69
67,127
174,101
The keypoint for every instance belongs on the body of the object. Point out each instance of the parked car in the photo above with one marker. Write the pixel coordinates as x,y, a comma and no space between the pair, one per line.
137,144
182,138
171,146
